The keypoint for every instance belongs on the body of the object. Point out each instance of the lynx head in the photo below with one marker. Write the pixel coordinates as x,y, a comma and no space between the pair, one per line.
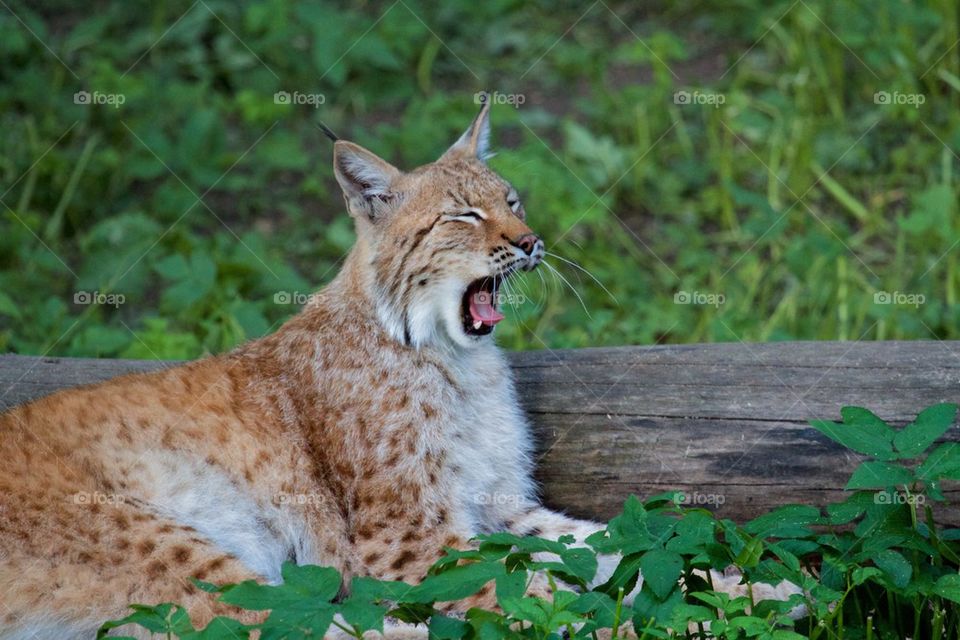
436,243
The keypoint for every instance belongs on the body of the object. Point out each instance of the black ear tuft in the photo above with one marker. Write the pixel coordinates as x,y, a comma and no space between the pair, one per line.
328,132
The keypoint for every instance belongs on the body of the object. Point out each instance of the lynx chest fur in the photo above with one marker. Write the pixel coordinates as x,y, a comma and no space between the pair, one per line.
398,441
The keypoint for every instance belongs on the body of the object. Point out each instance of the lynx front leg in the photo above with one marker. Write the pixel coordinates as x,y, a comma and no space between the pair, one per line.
542,522
551,525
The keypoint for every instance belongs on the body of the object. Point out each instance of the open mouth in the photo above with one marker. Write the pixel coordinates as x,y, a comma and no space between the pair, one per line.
479,306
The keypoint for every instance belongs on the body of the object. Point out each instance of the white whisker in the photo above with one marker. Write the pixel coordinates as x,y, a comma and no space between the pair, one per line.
544,294
567,282
592,277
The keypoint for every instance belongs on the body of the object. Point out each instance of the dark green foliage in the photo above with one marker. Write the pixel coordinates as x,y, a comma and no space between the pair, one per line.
875,565
779,212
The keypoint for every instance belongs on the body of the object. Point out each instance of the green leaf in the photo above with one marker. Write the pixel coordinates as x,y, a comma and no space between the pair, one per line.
789,559
155,619
220,628
693,532
375,590
750,555
581,562
305,618
362,615
529,609
861,431
853,507
455,584
527,544
862,574
661,571
624,576
878,542
948,587
895,566
685,613
254,596
647,606
511,585
942,462
192,280
318,584
874,474
722,601
602,606
8,307
173,267
310,580
787,521
750,625
930,424
444,628
932,209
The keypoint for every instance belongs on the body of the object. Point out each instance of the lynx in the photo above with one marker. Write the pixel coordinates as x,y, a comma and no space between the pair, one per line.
375,427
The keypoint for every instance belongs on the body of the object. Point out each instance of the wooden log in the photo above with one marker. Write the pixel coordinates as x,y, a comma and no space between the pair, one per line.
727,424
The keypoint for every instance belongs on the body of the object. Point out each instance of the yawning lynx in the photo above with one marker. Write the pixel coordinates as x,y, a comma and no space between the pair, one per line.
372,429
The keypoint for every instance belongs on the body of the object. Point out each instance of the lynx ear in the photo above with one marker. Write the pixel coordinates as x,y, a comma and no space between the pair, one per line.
475,141
365,179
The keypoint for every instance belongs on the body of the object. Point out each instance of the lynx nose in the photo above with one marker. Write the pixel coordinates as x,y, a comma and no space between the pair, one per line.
527,242
531,245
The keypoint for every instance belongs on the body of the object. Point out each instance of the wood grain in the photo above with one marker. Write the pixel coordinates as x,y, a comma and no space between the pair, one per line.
727,424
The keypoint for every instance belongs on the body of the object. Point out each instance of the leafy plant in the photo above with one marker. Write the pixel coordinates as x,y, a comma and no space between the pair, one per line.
799,176
875,565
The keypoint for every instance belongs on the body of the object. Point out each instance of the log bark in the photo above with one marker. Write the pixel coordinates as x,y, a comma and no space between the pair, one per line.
727,424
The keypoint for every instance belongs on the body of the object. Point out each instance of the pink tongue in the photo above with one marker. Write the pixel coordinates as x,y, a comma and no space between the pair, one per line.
482,310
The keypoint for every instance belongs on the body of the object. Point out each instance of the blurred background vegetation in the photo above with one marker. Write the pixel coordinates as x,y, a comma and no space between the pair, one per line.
739,152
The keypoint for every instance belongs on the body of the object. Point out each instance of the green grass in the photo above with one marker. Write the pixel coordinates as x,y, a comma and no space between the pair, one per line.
875,565
793,202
